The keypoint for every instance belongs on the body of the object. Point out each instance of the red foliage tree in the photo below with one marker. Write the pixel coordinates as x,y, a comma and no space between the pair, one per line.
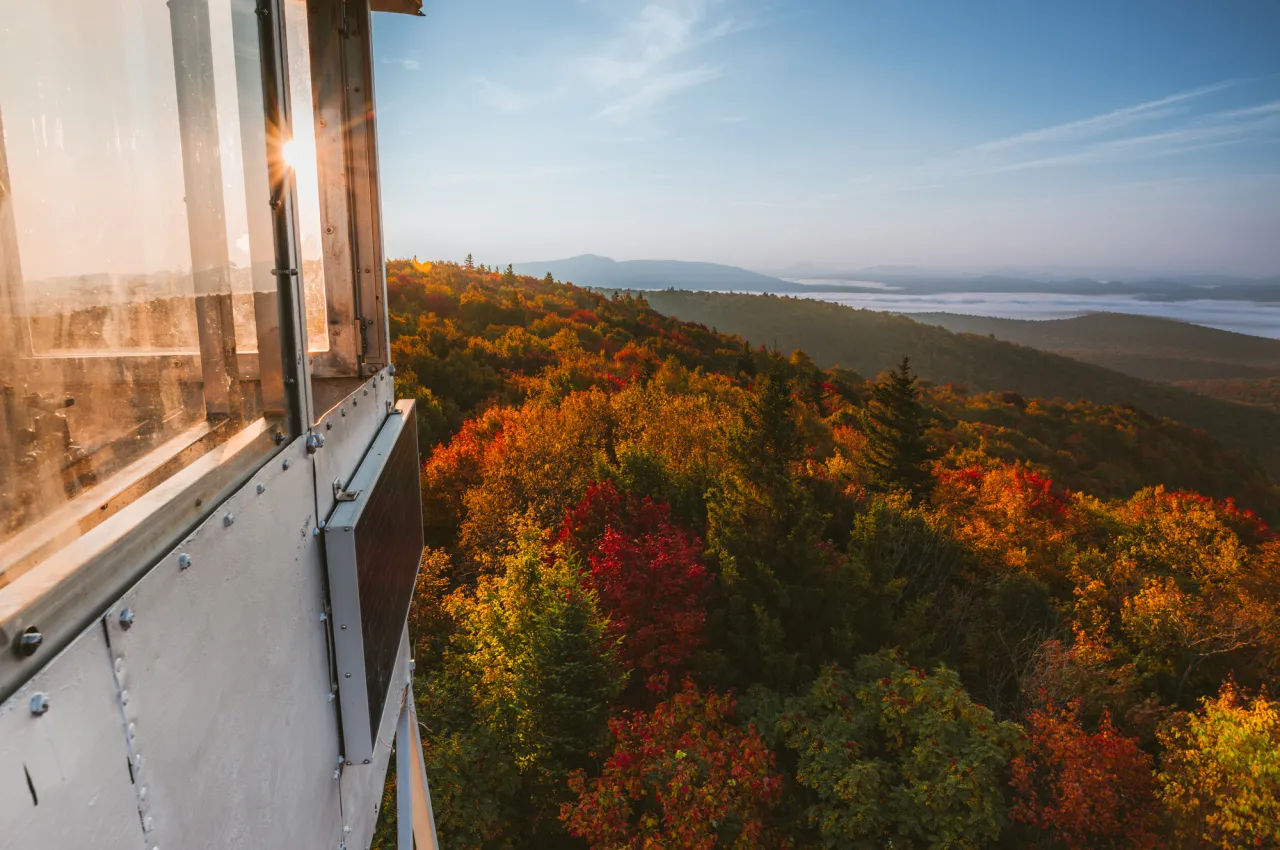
683,776
647,573
1089,790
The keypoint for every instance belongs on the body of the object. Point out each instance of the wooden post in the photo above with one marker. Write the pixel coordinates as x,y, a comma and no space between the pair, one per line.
206,217
415,821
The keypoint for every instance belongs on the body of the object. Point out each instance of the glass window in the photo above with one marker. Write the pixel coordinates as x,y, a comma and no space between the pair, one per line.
134,236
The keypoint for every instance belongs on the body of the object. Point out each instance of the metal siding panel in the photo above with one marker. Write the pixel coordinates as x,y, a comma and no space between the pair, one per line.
225,672
75,755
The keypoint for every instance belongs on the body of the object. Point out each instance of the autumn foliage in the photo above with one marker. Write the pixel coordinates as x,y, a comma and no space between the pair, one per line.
647,575
683,591
1090,790
684,775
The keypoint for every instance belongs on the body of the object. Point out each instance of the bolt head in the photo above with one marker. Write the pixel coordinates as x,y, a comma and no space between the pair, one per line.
126,618
29,642
261,488
286,464
184,561
229,520
39,704
277,438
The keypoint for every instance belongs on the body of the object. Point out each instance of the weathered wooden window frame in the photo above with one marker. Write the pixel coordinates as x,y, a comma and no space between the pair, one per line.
350,206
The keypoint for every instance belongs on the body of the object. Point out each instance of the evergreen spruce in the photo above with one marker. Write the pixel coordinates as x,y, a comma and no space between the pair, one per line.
898,455
470,264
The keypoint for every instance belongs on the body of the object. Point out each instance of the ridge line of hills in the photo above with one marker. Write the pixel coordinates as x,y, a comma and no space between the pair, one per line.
594,271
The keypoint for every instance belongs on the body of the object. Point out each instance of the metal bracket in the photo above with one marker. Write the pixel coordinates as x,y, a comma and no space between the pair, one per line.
341,494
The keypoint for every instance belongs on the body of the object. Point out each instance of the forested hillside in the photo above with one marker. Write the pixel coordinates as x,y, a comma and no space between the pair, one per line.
869,341
1142,346
682,591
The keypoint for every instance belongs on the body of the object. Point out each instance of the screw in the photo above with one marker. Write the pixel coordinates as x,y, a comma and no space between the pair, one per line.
262,488
328,426
315,442
39,704
277,438
366,392
344,411
126,618
348,675
29,642
286,464
229,520
184,561
366,761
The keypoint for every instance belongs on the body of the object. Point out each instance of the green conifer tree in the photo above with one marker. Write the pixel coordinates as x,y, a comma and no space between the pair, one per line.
469,264
898,455
509,276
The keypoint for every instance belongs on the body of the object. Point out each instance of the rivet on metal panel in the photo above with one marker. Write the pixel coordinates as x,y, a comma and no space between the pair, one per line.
347,675
315,442
277,438
133,730
119,666
366,392
366,761
262,488
324,617
142,793
184,561
39,704
344,628
337,773
29,642
355,402
286,464
229,520
344,411
328,426
126,618
149,824
124,700
391,369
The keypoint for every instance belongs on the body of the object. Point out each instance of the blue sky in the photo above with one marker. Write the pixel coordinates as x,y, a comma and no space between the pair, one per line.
967,135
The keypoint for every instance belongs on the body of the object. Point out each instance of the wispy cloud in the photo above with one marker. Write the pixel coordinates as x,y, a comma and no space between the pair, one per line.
1107,122
510,101
655,58
404,64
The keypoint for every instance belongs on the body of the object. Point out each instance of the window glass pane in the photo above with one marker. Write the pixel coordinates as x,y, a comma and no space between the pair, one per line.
129,253
300,153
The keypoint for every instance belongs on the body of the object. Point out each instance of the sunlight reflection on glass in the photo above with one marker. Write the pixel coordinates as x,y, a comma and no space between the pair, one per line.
300,154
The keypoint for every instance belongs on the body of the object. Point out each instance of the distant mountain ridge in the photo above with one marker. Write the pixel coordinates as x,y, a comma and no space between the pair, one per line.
599,272
644,275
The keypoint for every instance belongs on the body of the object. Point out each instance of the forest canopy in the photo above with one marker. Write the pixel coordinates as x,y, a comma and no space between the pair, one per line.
683,591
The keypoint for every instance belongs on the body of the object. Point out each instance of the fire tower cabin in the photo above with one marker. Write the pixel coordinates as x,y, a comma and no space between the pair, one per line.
210,522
